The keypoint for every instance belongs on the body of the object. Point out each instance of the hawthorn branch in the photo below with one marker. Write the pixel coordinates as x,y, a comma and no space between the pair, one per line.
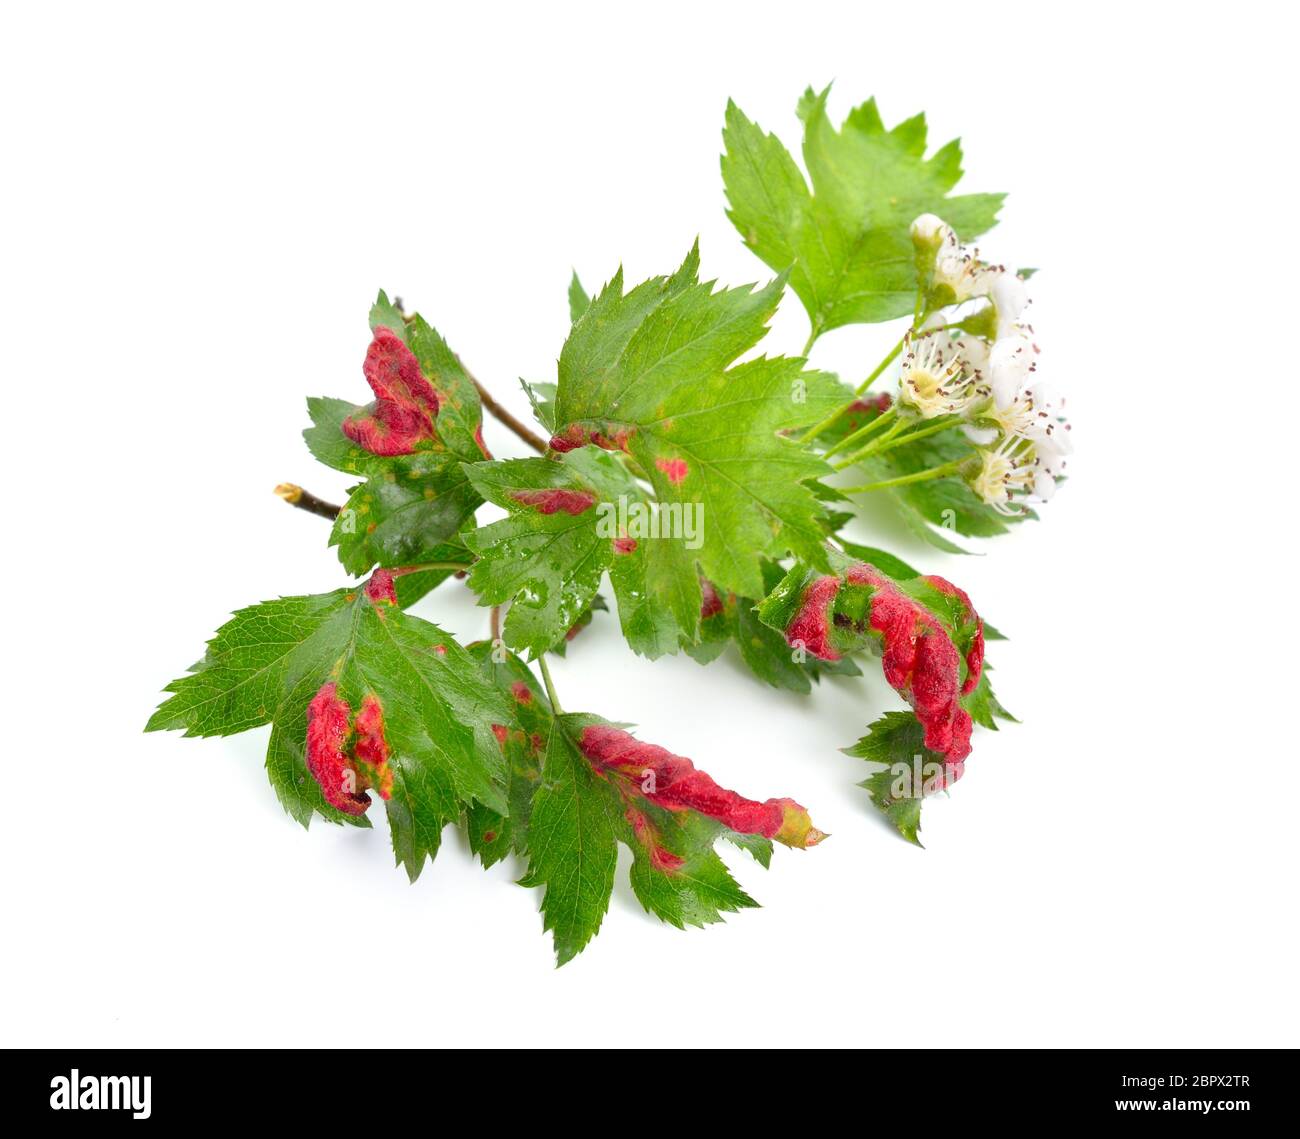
535,441
294,495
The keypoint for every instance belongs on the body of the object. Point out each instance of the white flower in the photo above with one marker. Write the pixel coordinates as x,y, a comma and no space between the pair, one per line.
986,375
1011,359
1010,298
1047,428
1017,417
929,229
1006,470
1051,441
980,436
959,268
1034,416
949,262
975,351
937,379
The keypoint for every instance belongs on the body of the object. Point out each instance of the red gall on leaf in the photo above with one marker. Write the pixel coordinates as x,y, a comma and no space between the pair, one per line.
811,626
371,748
975,650
380,588
343,777
920,662
673,782
711,603
877,403
579,435
405,403
920,659
556,500
661,858
675,469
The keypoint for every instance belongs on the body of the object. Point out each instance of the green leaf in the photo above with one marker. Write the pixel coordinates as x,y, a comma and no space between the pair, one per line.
884,561
573,846
561,648
270,660
945,504
843,623
984,707
930,639
650,372
542,398
757,847
898,569
250,663
492,835
579,302
578,819
909,770
897,787
385,314
763,649
563,533
409,505
700,890
924,628
845,242
411,587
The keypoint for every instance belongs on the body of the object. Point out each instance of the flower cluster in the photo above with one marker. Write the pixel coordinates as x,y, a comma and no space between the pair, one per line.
982,367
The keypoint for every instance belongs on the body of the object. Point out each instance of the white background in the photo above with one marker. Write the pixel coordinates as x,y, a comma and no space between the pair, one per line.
199,205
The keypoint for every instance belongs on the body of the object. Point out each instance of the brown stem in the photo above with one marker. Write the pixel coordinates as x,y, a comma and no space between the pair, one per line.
496,623
294,495
535,441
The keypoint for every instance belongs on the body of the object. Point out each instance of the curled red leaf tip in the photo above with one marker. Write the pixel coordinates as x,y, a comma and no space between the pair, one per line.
920,662
405,403
674,783
811,625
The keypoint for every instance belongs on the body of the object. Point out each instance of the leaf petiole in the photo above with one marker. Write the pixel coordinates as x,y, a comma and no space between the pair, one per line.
903,480
550,686
885,418
889,441
420,567
920,314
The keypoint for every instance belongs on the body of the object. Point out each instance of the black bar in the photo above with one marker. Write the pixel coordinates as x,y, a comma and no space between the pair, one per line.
670,1088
